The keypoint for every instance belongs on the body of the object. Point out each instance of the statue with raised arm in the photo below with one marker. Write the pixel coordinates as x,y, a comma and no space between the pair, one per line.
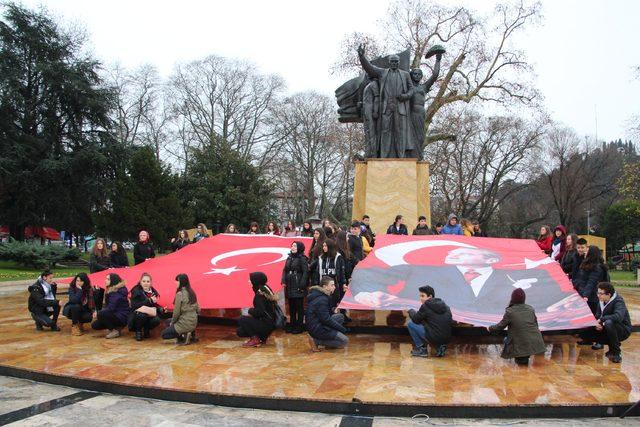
394,130
418,100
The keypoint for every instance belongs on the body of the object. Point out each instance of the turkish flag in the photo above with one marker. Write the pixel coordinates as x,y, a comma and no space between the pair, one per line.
475,276
218,268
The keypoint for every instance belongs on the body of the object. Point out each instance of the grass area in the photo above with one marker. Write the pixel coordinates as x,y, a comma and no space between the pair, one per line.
10,271
622,276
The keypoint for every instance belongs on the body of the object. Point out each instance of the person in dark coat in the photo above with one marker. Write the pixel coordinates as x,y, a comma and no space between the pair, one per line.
181,241
319,236
331,264
260,322
614,322
307,229
118,256
430,324
356,246
477,230
398,226
295,280
571,259
114,316
145,310
99,259
366,231
523,335
43,305
592,271
143,250
81,305
422,229
324,325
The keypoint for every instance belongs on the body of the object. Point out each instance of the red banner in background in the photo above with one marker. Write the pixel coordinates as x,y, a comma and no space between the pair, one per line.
475,276
218,268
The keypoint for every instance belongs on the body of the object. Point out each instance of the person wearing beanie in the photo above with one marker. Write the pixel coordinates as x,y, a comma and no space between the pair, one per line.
295,278
523,336
260,322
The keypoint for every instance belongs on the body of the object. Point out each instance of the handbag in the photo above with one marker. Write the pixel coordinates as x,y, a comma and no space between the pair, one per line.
149,311
280,319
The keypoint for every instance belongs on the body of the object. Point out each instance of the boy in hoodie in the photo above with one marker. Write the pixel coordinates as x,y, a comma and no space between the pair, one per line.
452,226
323,324
431,324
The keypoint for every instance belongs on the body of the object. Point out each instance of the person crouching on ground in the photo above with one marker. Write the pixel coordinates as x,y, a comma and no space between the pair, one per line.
81,305
185,313
523,336
260,322
145,310
614,322
114,316
325,326
431,324
43,305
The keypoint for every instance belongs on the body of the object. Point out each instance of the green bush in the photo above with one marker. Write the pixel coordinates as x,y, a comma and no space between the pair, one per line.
36,256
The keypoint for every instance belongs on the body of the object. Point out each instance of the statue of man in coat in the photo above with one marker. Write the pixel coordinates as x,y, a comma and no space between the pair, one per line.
394,120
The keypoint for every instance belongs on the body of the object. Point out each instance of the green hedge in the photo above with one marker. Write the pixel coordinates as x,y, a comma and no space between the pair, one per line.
36,256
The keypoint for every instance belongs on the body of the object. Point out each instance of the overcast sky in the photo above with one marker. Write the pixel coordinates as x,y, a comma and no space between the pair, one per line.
583,52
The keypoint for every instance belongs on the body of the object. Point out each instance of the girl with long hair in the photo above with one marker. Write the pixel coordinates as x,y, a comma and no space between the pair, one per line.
81,305
545,239
114,316
319,237
185,313
332,264
99,259
290,229
145,310
118,256
307,229
272,229
181,241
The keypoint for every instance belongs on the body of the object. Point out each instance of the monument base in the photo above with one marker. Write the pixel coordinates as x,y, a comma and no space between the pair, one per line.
384,188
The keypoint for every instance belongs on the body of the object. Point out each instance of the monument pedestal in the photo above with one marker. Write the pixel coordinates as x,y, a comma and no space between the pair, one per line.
384,188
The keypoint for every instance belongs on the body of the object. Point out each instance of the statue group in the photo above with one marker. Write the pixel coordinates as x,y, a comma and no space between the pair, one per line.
390,101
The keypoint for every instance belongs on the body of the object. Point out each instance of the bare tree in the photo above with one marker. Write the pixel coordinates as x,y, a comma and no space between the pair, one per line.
486,164
482,62
578,174
219,99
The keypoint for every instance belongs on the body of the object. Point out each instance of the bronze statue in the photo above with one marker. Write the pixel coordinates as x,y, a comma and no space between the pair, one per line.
390,101
396,88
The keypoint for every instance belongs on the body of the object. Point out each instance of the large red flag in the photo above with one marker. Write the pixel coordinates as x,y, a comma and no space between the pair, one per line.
218,268
475,276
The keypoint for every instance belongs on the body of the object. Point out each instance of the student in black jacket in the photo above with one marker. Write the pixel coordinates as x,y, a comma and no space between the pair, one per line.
182,240
592,271
398,226
43,305
260,322
145,310
118,256
324,325
571,260
430,324
143,250
355,242
81,305
99,259
295,280
614,322
330,263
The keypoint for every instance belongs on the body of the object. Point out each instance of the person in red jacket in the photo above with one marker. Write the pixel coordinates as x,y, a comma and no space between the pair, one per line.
545,239
559,243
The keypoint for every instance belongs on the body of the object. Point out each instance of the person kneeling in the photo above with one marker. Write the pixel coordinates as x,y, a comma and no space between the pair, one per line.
43,305
185,313
114,316
614,322
81,304
523,336
430,324
260,322
145,310
325,327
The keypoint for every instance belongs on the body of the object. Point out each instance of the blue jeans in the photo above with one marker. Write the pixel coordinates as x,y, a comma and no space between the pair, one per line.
417,332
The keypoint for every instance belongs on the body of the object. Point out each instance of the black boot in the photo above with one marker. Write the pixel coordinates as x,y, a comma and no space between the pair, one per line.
442,349
39,326
138,335
147,333
194,339
55,328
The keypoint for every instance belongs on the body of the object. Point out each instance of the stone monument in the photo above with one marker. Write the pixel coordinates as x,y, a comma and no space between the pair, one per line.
389,100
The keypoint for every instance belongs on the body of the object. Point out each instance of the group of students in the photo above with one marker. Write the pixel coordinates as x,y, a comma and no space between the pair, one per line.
115,308
464,227
584,265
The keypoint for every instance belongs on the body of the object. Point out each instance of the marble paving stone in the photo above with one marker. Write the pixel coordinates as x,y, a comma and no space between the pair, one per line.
372,368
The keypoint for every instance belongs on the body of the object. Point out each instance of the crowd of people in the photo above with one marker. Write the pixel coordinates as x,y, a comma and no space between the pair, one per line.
321,275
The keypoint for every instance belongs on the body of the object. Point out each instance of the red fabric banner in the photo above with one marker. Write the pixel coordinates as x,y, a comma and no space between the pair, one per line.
475,276
218,268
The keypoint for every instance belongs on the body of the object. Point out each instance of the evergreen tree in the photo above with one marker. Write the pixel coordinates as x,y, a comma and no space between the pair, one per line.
622,224
53,121
144,197
221,188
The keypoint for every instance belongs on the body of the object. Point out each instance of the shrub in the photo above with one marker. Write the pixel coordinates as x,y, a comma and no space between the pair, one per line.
36,256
